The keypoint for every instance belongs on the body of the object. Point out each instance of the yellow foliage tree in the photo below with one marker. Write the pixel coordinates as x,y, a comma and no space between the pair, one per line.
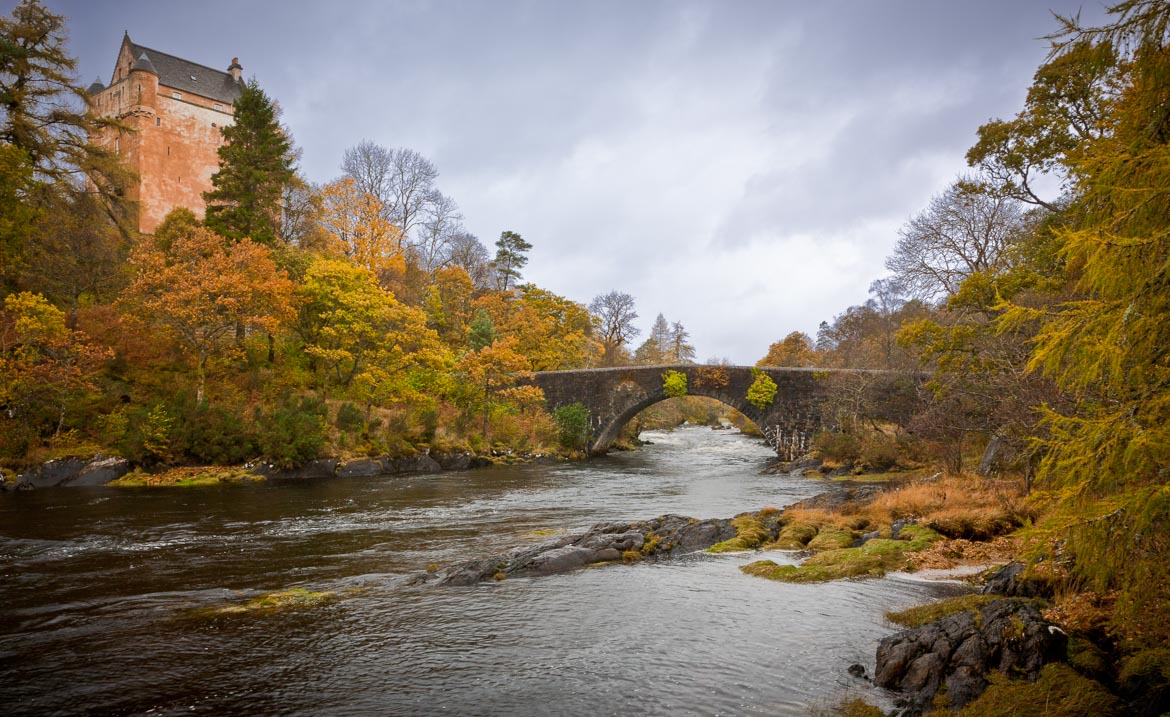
361,232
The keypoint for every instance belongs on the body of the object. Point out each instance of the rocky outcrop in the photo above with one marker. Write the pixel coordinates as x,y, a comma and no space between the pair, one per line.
955,654
1012,581
661,537
73,472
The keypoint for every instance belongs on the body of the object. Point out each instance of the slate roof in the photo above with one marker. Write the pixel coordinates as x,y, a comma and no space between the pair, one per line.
192,77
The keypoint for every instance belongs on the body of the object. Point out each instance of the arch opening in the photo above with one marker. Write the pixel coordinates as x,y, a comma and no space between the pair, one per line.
660,410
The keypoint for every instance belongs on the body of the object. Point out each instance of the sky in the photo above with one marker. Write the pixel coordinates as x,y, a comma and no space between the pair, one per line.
740,167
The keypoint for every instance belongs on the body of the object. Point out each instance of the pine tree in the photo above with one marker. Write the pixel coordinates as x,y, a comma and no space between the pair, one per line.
510,258
256,163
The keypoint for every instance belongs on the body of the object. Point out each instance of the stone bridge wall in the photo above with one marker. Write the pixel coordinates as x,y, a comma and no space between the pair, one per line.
615,395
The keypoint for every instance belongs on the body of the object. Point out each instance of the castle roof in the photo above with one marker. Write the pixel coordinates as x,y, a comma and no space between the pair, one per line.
191,76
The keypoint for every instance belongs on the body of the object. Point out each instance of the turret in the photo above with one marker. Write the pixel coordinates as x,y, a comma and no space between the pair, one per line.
236,70
143,85
96,87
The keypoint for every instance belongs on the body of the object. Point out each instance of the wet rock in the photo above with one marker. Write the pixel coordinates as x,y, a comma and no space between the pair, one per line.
54,473
319,468
361,468
836,499
660,537
1010,581
457,461
857,670
411,464
100,471
960,650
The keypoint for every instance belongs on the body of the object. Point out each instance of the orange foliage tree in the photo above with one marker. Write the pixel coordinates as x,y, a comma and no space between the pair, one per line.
196,287
361,232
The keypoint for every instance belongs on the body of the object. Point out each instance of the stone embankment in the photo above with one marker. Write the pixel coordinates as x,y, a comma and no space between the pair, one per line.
76,472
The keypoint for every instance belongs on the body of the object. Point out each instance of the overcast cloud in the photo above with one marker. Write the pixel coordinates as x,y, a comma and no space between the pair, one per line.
741,167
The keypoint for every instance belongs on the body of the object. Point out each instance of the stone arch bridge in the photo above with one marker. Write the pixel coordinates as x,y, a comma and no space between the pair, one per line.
806,401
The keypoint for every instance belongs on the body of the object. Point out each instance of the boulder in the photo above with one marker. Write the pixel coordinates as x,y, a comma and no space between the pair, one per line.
100,471
54,473
411,464
960,650
456,461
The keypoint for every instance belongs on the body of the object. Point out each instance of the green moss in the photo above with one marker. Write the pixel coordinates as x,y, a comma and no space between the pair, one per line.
631,556
1058,691
1145,670
793,537
750,532
650,544
830,538
873,559
295,599
858,708
1087,658
922,614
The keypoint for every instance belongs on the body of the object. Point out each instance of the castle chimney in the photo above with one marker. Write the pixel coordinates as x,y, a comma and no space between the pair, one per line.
235,69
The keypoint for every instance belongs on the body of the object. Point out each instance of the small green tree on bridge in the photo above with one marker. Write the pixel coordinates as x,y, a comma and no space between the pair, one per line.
674,383
762,391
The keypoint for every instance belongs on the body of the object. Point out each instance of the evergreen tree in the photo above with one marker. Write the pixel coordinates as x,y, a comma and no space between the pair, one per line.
481,331
256,162
510,258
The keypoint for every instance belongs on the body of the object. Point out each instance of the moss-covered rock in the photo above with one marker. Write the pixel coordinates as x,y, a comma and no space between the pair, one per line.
1058,691
794,536
750,533
922,614
872,559
185,478
295,599
832,538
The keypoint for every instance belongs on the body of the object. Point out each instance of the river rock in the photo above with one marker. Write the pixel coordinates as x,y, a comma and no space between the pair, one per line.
655,539
54,473
318,468
456,461
100,471
960,650
361,468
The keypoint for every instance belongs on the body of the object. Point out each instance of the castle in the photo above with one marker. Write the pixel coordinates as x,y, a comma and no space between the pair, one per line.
172,111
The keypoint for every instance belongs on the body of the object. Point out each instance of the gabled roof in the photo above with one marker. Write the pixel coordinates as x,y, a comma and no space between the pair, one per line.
191,77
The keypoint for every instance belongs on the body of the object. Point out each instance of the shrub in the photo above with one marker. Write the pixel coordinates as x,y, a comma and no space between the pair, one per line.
147,440
349,417
211,434
292,432
840,447
572,423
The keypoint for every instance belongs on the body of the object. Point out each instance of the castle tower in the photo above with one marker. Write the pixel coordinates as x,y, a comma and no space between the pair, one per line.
173,111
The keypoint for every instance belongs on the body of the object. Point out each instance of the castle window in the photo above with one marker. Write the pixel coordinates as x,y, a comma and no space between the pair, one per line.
177,95
212,124
158,121
218,108
168,150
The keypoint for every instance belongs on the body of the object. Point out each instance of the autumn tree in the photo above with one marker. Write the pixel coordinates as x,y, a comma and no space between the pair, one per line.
196,287
795,349
44,366
360,231
613,320
678,347
402,180
490,381
448,304
257,162
16,213
652,351
552,331
511,257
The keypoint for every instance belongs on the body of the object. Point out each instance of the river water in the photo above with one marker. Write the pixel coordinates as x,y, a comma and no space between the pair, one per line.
97,585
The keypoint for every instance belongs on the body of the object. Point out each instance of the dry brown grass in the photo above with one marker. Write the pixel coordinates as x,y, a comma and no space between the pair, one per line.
947,554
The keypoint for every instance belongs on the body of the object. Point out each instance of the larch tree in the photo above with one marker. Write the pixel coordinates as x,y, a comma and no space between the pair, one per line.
257,162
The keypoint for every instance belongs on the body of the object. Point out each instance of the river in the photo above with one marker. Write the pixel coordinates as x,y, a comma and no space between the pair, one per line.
96,584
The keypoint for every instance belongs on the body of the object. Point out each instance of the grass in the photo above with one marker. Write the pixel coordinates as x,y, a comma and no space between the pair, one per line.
922,614
1060,690
185,478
